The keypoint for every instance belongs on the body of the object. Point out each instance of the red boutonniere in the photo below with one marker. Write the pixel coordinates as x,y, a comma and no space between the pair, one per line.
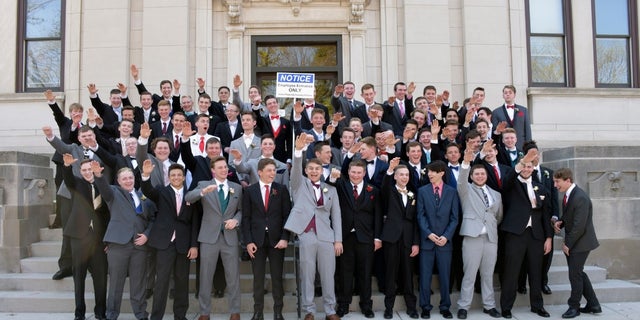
369,189
274,192
520,114
371,198
284,127
230,174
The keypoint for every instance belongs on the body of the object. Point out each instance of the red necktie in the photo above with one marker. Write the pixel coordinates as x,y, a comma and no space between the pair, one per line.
495,171
266,197
177,143
201,145
164,128
355,192
564,201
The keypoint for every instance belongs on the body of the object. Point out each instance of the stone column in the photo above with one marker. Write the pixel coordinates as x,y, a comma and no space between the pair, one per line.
26,193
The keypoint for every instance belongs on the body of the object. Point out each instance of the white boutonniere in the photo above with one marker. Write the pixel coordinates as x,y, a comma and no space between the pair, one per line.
410,195
325,190
153,113
423,171
516,109
143,198
232,191
520,155
194,142
546,174
535,188
413,203
542,198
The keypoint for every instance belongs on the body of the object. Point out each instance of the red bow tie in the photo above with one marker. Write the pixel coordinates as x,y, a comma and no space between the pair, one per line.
510,106
309,106
275,117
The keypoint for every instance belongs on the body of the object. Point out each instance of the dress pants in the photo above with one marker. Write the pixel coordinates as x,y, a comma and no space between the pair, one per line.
517,248
170,262
442,258
64,262
88,254
356,262
398,270
580,283
478,253
126,259
321,253
230,256
259,263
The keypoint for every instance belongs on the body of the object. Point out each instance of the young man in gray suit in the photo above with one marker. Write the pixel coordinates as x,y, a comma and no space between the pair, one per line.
222,212
315,219
481,214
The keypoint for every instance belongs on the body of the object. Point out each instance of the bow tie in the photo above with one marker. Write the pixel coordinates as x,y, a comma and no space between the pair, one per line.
513,151
403,191
369,162
275,117
325,166
456,168
308,106
510,106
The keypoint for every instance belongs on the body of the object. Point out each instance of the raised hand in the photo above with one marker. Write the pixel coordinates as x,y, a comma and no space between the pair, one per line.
335,174
488,146
501,126
237,82
301,141
68,159
337,117
200,83
393,164
438,100
135,73
96,168
91,115
339,89
407,134
49,95
331,129
531,155
145,131
298,108
92,88
456,105
469,156
434,108
391,100
411,88
48,132
237,155
210,188
122,88
187,131
356,147
390,140
147,167
469,116
435,129
176,86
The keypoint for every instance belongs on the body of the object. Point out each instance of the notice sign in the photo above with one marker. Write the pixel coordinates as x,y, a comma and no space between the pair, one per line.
295,85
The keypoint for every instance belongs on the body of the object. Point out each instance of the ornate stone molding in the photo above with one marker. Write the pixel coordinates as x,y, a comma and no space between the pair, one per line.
357,10
233,10
295,5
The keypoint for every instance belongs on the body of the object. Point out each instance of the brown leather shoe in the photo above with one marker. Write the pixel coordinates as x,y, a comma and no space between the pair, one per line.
234,316
203,318
333,317
309,316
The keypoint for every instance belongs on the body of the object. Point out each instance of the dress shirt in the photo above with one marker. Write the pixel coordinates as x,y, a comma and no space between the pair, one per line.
225,187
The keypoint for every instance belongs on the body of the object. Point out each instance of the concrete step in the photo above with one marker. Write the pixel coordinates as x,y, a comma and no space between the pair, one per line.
559,259
560,275
47,234
49,248
39,265
50,301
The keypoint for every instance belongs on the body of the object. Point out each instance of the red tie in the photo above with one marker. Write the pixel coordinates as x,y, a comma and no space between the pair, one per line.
355,191
177,143
564,201
201,145
510,106
266,197
164,128
495,171
275,117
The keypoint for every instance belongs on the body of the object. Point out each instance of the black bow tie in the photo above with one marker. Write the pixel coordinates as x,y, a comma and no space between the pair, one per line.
325,166
369,162
454,168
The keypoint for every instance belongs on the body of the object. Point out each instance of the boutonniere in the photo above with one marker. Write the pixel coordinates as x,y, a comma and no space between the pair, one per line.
542,197
520,155
274,192
284,127
188,203
230,174
516,109
423,171
546,174
143,198
194,142
325,190
520,114
369,188
535,188
410,195
232,191
153,113
252,146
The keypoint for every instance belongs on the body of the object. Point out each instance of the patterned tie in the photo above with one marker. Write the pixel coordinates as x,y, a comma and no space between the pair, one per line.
355,191
97,199
486,197
177,143
564,200
178,202
401,106
436,195
164,128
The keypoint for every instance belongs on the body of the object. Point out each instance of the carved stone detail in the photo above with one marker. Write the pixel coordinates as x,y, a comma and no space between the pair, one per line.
233,10
357,10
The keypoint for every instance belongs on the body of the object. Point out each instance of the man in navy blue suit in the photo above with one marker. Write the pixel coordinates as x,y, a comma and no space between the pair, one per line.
438,208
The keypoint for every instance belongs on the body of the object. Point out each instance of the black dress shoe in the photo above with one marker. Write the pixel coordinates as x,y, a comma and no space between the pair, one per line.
79,318
446,314
571,313
218,294
522,290
492,312
541,312
506,314
546,289
278,316
388,314
368,313
257,316
591,309
413,314
61,274
462,314
426,314
342,310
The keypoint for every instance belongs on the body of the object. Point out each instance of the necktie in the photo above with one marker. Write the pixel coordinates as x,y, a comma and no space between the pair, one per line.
351,105
86,154
486,197
564,200
456,168
138,205
165,174
320,200
97,199
201,145
178,202
164,128
266,197
436,195
497,174
401,106
355,191
177,143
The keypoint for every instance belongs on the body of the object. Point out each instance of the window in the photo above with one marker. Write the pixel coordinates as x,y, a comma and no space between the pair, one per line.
321,55
615,43
549,49
40,45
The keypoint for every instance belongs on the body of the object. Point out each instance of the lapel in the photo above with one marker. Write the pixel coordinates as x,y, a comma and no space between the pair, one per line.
506,114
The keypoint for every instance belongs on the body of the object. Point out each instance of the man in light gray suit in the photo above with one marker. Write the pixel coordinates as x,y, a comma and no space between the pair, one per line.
481,214
250,166
126,237
315,218
222,212
249,143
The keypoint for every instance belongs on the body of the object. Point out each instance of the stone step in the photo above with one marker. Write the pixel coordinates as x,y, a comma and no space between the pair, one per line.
46,302
49,248
47,234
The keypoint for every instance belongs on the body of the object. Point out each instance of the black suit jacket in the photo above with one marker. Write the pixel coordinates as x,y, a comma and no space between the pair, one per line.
175,100
401,223
379,171
200,166
64,125
186,224
363,214
392,115
82,211
506,174
417,179
214,120
547,182
156,131
305,122
117,161
517,209
577,219
255,218
106,111
283,136
223,132
369,129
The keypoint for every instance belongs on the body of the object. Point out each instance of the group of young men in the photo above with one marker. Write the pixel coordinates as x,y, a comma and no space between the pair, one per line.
373,189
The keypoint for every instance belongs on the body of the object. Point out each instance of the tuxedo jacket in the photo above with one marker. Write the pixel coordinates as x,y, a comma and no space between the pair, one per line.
200,166
185,224
82,213
283,135
116,161
156,131
577,219
417,179
64,126
175,100
369,129
213,217
401,222
547,182
257,218
363,214
341,104
106,111
224,133
305,122
305,207
475,213
521,122
441,219
125,223
379,171
392,115
517,209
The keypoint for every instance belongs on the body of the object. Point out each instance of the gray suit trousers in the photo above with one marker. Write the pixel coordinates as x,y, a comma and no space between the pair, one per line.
478,253
321,253
230,255
126,259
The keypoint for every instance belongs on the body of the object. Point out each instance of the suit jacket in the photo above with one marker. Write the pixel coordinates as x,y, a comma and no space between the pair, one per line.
106,111
475,214
369,129
364,214
214,120
213,218
156,131
547,182
327,216
200,166
441,220
341,104
224,133
517,209
247,153
521,122
392,115
116,161
250,168
361,112
506,174
283,136
256,218
64,126
185,225
417,179
157,175
125,223
82,213
379,171
401,223
305,122
577,219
